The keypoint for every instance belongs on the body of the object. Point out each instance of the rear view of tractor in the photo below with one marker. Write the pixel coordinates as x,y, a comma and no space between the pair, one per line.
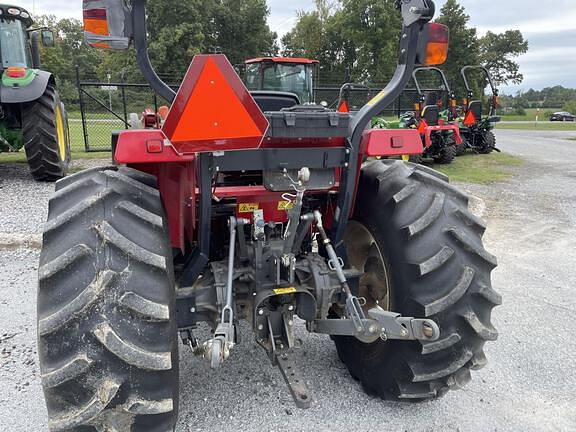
477,128
279,218
31,113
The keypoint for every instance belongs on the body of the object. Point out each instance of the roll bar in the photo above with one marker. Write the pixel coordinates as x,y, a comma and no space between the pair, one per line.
429,68
495,93
141,46
485,70
415,15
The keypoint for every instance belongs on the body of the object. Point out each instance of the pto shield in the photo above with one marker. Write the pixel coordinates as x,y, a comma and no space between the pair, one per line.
213,110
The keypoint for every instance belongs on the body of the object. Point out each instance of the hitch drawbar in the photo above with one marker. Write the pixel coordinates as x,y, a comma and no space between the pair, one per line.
381,324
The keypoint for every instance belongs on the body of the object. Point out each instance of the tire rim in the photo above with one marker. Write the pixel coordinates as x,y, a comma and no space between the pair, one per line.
365,255
60,135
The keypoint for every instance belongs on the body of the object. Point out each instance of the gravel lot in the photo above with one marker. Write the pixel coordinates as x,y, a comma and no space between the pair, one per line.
527,386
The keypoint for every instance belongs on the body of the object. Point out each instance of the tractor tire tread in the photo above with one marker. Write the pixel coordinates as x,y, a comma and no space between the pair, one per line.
451,284
108,342
39,130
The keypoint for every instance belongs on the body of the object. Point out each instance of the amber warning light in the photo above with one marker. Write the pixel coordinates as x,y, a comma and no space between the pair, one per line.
213,110
96,23
434,41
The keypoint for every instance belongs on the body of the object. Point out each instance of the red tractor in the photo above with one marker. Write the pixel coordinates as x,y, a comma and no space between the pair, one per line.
233,212
282,74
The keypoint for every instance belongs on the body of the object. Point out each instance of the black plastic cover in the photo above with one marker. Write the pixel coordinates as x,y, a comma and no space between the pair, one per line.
308,122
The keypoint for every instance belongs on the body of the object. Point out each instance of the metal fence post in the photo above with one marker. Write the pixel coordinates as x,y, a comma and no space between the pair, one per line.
124,102
82,112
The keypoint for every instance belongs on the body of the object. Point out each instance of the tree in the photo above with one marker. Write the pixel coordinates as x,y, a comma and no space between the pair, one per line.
374,27
497,52
570,106
176,33
69,50
237,28
359,36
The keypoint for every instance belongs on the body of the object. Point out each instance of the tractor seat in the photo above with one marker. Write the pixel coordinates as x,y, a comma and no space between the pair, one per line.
475,108
272,101
431,115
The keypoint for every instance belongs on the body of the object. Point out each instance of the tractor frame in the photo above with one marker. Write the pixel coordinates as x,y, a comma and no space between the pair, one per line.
191,210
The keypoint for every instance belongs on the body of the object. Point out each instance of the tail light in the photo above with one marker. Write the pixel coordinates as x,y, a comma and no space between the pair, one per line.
107,24
16,72
433,49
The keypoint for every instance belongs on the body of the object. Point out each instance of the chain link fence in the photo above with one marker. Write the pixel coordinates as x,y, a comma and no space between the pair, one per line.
106,106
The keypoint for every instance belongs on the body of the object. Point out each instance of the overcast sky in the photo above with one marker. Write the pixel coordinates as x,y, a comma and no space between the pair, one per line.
550,28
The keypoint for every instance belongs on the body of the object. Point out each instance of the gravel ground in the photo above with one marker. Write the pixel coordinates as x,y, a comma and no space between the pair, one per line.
528,384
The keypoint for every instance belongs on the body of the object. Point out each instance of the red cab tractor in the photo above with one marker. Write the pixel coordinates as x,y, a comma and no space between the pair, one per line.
282,75
229,214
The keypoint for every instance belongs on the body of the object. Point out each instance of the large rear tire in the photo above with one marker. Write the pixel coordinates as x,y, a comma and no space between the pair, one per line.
46,138
433,265
106,325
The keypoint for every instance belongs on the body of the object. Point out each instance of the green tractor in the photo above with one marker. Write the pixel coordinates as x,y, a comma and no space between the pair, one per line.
31,113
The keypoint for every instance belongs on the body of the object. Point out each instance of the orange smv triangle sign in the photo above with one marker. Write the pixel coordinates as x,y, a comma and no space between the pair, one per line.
213,110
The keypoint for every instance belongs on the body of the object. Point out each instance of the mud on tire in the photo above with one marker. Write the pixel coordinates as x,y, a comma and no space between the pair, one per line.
438,269
106,328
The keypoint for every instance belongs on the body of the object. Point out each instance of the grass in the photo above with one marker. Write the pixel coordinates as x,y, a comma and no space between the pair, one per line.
99,133
542,126
530,115
481,169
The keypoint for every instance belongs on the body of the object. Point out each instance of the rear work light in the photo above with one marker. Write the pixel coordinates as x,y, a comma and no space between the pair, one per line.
16,72
433,49
13,11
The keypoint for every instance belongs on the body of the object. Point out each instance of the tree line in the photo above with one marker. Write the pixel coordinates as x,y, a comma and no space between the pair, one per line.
354,40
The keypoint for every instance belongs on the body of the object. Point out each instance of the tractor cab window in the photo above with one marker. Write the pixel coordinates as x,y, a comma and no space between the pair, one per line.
281,77
253,76
293,78
14,49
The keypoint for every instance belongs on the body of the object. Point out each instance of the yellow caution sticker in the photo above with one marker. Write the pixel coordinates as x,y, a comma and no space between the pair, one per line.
405,158
377,98
285,205
247,207
289,290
